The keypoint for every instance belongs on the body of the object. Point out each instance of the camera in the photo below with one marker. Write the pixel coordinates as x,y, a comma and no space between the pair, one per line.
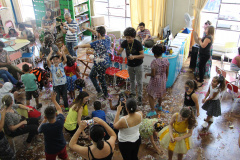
90,122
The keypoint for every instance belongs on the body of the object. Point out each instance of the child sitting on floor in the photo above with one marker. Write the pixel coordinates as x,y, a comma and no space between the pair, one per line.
31,88
98,112
55,144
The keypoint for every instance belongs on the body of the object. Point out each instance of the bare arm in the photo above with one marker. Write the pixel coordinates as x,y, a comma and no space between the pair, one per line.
208,92
82,151
49,57
13,128
205,42
195,100
118,123
64,58
79,116
120,51
58,108
189,134
111,106
154,144
44,121
141,56
167,71
152,74
3,113
91,30
171,126
63,30
147,36
238,61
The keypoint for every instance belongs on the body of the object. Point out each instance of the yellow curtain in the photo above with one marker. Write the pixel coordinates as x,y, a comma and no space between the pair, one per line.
92,7
199,5
3,3
151,12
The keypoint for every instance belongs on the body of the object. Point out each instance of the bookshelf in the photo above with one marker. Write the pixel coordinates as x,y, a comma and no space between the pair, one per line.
40,7
80,12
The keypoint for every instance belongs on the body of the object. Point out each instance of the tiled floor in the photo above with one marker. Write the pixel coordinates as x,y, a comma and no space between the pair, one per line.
218,143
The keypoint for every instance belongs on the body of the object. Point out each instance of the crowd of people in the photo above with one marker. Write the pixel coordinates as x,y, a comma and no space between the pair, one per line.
128,125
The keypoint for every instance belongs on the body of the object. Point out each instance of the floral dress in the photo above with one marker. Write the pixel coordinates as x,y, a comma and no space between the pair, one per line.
157,84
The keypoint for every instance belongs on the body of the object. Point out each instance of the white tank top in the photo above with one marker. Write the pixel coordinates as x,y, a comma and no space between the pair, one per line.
130,134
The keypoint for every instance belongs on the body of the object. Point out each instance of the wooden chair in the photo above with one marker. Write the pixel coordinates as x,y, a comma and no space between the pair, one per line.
16,59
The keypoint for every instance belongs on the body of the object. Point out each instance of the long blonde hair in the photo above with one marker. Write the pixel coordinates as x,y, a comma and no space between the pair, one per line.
211,32
7,101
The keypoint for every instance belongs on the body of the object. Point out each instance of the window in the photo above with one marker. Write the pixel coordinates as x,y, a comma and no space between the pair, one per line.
117,13
27,11
225,17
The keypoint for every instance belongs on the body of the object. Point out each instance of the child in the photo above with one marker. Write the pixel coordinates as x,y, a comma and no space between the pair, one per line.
78,109
11,33
102,49
176,137
211,101
190,98
150,128
58,76
71,71
159,74
55,144
31,88
98,112
135,55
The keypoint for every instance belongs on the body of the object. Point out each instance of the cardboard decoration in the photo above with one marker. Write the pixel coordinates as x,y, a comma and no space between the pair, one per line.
195,36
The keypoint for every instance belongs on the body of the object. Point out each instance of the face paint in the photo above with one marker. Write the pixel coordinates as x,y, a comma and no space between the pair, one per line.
186,88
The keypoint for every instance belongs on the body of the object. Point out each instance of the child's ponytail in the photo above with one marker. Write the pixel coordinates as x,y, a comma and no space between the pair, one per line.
187,112
192,84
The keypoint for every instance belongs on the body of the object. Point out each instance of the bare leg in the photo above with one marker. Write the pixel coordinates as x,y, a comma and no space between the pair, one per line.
151,102
170,154
180,156
37,101
159,101
208,118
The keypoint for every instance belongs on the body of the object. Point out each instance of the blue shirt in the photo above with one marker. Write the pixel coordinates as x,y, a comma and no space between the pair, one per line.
58,74
99,114
102,50
53,135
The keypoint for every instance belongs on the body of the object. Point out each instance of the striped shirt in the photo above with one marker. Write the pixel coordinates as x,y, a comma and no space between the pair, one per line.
71,37
144,34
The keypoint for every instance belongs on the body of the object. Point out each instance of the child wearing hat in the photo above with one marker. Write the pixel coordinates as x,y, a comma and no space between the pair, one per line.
59,79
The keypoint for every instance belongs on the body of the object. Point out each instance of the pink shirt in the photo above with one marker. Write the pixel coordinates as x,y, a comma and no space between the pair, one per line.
234,61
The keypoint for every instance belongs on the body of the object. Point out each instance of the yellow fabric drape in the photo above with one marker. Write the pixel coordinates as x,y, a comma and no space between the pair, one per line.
199,5
92,7
151,12
3,3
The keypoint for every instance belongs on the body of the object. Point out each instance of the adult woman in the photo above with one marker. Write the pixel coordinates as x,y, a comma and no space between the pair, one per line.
6,153
128,135
100,149
74,116
49,22
16,125
205,51
235,64
209,62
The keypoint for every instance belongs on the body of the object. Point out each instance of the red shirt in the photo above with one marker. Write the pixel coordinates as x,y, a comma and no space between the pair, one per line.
70,71
13,35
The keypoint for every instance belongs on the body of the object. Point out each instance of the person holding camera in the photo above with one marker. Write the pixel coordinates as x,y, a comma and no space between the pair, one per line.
100,149
128,126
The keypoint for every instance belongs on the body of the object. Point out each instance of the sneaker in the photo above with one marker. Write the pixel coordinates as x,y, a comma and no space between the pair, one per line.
210,120
158,107
151,113
204,125
99,95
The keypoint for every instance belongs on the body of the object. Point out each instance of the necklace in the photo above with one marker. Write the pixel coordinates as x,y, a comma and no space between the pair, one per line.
130,48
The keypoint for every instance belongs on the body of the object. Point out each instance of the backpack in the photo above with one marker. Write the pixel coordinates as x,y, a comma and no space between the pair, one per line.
41,76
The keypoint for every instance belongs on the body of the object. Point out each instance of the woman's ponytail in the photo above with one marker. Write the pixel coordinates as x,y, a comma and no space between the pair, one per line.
6,101
100,144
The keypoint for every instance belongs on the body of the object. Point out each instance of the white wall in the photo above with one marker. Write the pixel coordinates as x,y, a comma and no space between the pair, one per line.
9,6
175,13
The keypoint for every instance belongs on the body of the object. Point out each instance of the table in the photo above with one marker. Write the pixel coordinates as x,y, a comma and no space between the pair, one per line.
176,60
20,43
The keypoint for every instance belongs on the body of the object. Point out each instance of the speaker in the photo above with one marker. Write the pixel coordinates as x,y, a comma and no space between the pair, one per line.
194,53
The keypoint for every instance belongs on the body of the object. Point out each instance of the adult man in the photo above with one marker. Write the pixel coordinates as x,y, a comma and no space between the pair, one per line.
145,36
70,29
5,62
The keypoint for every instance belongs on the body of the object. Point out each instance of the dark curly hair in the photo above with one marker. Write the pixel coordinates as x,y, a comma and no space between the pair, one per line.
130,32
158,50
